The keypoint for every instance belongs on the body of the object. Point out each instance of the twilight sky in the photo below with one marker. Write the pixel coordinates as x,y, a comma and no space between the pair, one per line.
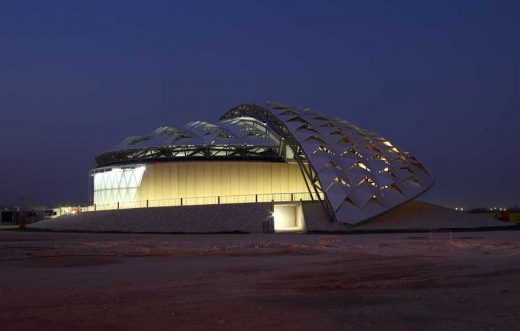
440,79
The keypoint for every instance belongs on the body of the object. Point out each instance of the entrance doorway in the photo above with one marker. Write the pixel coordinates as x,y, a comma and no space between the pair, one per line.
288,218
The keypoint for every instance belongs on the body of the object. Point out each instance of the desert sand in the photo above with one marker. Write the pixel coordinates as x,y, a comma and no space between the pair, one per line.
437,281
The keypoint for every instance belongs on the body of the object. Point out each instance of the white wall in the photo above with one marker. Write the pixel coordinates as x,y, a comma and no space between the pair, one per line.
206,179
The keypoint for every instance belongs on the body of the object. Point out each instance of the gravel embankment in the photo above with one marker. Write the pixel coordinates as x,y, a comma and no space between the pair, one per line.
248,218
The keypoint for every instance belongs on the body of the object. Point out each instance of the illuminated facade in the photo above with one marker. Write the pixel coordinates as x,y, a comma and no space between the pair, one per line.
254,153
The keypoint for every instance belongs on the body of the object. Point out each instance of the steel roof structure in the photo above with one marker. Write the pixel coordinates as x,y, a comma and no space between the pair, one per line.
358,174
233,139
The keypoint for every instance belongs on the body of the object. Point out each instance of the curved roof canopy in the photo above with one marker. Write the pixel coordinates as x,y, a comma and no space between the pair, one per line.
359,173
242,138
355,173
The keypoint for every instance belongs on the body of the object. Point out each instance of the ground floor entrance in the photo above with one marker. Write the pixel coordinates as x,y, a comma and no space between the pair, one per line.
288,218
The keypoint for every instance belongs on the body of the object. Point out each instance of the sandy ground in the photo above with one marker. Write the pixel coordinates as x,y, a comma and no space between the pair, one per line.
67,281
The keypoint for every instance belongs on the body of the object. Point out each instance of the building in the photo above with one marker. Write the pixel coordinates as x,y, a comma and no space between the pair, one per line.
257,154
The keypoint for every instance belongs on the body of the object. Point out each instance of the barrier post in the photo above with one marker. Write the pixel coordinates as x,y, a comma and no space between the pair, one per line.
146,203
218,200
181,201
118,205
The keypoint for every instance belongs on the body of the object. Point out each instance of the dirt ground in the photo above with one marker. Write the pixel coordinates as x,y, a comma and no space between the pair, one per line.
439,281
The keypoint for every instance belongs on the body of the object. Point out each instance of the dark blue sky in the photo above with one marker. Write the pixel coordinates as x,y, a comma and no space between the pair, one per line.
440,79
